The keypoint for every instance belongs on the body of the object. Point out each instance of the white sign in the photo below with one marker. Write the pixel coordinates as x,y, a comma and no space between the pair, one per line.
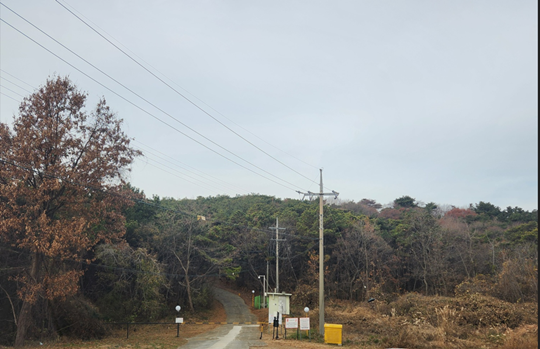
304,324
179,320
291,322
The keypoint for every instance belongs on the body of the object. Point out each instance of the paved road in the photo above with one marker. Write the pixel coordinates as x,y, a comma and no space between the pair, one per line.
229,336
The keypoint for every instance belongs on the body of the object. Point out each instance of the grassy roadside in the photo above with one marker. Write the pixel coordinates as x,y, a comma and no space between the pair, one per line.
140,336
416,321
411,321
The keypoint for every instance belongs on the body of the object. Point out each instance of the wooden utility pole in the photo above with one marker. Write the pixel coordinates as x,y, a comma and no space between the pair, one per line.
277,228
321,194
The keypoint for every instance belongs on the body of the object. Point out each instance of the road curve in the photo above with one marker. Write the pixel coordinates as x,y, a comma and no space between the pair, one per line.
229,336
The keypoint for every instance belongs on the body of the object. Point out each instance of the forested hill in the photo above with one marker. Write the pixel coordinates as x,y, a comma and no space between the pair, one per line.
369,250
173,250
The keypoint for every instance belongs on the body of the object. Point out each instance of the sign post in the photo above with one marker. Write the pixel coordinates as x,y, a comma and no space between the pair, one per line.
178,321
291,323
304,323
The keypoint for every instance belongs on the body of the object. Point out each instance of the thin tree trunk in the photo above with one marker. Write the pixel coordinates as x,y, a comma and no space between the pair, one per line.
12,306
464,264
367,271
51,326
25,318
185,268
188,287
23,323
425,266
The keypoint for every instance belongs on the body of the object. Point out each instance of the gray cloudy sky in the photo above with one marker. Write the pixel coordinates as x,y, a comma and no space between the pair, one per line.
432,99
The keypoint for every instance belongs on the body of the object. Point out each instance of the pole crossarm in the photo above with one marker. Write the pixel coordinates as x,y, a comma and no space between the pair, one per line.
309,194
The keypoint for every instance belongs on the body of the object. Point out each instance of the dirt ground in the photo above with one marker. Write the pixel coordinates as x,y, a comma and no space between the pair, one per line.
411,321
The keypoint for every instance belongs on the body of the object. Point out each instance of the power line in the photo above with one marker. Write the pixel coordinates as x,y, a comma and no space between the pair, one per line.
186,91
175,163
185,97
186,165
13,76
48,175
22,88
44,174
143,202
10,90
145,151
2,93
144,99
245,129
155,117
179,176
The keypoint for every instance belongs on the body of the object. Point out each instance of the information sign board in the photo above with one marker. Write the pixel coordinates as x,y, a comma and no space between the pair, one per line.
304,324
291,323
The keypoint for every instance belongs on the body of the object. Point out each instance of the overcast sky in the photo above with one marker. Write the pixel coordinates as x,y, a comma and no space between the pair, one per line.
432,99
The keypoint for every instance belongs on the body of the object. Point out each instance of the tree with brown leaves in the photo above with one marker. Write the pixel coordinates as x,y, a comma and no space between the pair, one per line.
61,172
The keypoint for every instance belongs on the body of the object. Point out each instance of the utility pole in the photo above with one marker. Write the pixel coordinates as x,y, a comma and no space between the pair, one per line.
277,228
321,194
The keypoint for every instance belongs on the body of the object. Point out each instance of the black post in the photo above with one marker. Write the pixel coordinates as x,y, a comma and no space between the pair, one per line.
127,330
275,327
178,330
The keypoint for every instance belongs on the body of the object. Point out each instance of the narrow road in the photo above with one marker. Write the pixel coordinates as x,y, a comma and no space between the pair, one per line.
229,336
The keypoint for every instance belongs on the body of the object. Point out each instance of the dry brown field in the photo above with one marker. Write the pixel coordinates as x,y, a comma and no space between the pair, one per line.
411,321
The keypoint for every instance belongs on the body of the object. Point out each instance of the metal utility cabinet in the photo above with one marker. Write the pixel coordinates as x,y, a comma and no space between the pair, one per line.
333,334
278,303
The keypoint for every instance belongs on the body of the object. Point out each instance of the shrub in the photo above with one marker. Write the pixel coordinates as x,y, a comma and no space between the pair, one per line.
77,317
518,281
480,284
204,298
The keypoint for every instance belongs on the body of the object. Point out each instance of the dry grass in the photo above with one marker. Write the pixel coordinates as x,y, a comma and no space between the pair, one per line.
525,337
415,321
140,336
411,321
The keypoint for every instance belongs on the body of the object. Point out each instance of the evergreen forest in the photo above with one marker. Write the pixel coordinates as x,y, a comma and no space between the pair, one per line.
174,250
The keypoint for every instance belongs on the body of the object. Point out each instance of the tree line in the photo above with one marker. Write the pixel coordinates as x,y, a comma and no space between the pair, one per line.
80,247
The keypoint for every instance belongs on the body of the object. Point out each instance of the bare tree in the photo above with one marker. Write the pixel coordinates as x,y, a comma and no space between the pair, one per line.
360,253
422,239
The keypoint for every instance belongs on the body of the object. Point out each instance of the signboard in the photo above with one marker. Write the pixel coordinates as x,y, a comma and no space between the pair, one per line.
179,320
291,323
304,324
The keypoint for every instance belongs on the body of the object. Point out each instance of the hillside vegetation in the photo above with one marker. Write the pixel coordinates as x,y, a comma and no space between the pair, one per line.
451,272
